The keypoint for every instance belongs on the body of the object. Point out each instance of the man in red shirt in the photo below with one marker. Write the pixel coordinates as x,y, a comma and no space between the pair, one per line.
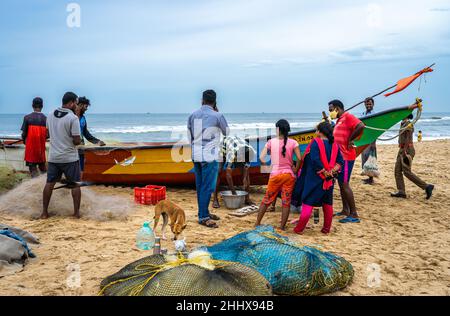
347,129
34,136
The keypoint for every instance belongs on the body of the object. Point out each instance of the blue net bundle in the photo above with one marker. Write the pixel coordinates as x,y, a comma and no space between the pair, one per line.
291,269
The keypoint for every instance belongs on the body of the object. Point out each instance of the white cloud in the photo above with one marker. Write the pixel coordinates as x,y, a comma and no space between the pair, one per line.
261,33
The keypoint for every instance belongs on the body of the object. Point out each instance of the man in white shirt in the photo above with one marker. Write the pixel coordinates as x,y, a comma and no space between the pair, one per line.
64,132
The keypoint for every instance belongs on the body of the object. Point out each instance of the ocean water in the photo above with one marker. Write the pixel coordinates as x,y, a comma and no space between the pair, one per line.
172,127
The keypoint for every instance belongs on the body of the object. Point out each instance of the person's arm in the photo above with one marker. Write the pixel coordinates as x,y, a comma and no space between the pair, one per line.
24,130
298,162
76,140
229,174
90,137
408,137
339,164
262,156
189,128
46,126
223,125
75,131
359,129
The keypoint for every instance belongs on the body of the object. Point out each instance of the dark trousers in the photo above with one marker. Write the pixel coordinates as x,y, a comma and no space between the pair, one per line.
403,168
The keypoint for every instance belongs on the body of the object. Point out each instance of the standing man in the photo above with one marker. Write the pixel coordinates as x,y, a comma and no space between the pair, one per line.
34,136
348,128
205,126
83,105
64,131
405,158
371,150
237,154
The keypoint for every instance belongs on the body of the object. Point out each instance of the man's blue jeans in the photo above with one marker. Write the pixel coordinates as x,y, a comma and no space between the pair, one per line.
205,181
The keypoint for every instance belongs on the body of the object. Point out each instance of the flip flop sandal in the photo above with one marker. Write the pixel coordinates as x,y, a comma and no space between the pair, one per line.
340,214
208,223
350,220
214,217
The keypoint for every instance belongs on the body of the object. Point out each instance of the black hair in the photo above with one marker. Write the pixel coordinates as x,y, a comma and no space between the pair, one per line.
38,103
84,100
326,129
370,99
409,117
337,103
209,97
69,97
284,128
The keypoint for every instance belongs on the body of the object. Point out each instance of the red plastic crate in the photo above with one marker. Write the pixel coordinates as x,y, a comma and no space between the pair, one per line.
150,195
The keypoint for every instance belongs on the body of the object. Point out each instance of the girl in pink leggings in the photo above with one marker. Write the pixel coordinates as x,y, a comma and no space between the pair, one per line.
322,163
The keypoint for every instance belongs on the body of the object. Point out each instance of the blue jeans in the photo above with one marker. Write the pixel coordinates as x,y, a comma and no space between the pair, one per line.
205,181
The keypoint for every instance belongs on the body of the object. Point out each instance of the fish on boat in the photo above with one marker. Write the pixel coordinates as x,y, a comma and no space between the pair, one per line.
170,163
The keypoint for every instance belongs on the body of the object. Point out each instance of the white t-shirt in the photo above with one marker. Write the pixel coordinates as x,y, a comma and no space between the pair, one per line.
62,126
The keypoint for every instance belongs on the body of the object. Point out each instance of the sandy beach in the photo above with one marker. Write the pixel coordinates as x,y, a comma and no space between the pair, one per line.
409,240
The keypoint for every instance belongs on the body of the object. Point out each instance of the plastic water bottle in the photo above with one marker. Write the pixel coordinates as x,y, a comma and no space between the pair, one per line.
316,216
145,239
157,247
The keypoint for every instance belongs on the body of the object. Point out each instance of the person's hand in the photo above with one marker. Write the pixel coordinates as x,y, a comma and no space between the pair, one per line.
234,192
351,144
101,143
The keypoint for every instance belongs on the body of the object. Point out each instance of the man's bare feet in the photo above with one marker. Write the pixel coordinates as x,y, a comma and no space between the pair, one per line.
44,215
216,204
76,216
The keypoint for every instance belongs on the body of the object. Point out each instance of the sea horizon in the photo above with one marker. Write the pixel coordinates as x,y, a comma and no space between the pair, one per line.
164,127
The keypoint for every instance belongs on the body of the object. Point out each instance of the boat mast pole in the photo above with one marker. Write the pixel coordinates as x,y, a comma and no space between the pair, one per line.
375,95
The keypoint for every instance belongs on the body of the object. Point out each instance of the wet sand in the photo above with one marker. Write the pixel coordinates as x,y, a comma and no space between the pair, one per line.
408,240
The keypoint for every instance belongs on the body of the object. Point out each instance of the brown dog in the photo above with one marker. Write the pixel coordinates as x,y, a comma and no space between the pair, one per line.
167,210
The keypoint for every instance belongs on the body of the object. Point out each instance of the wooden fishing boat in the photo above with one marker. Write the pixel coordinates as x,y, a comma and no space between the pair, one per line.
170,163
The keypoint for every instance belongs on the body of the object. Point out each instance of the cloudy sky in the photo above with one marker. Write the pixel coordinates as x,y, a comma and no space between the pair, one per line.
259,55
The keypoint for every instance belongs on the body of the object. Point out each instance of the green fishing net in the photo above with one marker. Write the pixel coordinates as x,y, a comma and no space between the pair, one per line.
291,269
160,275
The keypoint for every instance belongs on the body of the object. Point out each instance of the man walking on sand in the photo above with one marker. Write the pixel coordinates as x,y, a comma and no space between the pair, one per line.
405,158
348,128
205,126
64,131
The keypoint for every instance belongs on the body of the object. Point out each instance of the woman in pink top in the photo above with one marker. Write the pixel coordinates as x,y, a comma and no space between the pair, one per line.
282,177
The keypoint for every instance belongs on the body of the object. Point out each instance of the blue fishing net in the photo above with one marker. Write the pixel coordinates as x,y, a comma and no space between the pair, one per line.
291,269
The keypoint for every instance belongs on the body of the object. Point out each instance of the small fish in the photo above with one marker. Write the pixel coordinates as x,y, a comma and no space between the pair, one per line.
126,162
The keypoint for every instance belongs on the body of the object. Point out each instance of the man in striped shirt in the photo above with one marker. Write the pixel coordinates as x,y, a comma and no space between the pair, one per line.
348,128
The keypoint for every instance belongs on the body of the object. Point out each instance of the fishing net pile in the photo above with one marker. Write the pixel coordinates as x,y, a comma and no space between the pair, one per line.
99,204
193,275
291,269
